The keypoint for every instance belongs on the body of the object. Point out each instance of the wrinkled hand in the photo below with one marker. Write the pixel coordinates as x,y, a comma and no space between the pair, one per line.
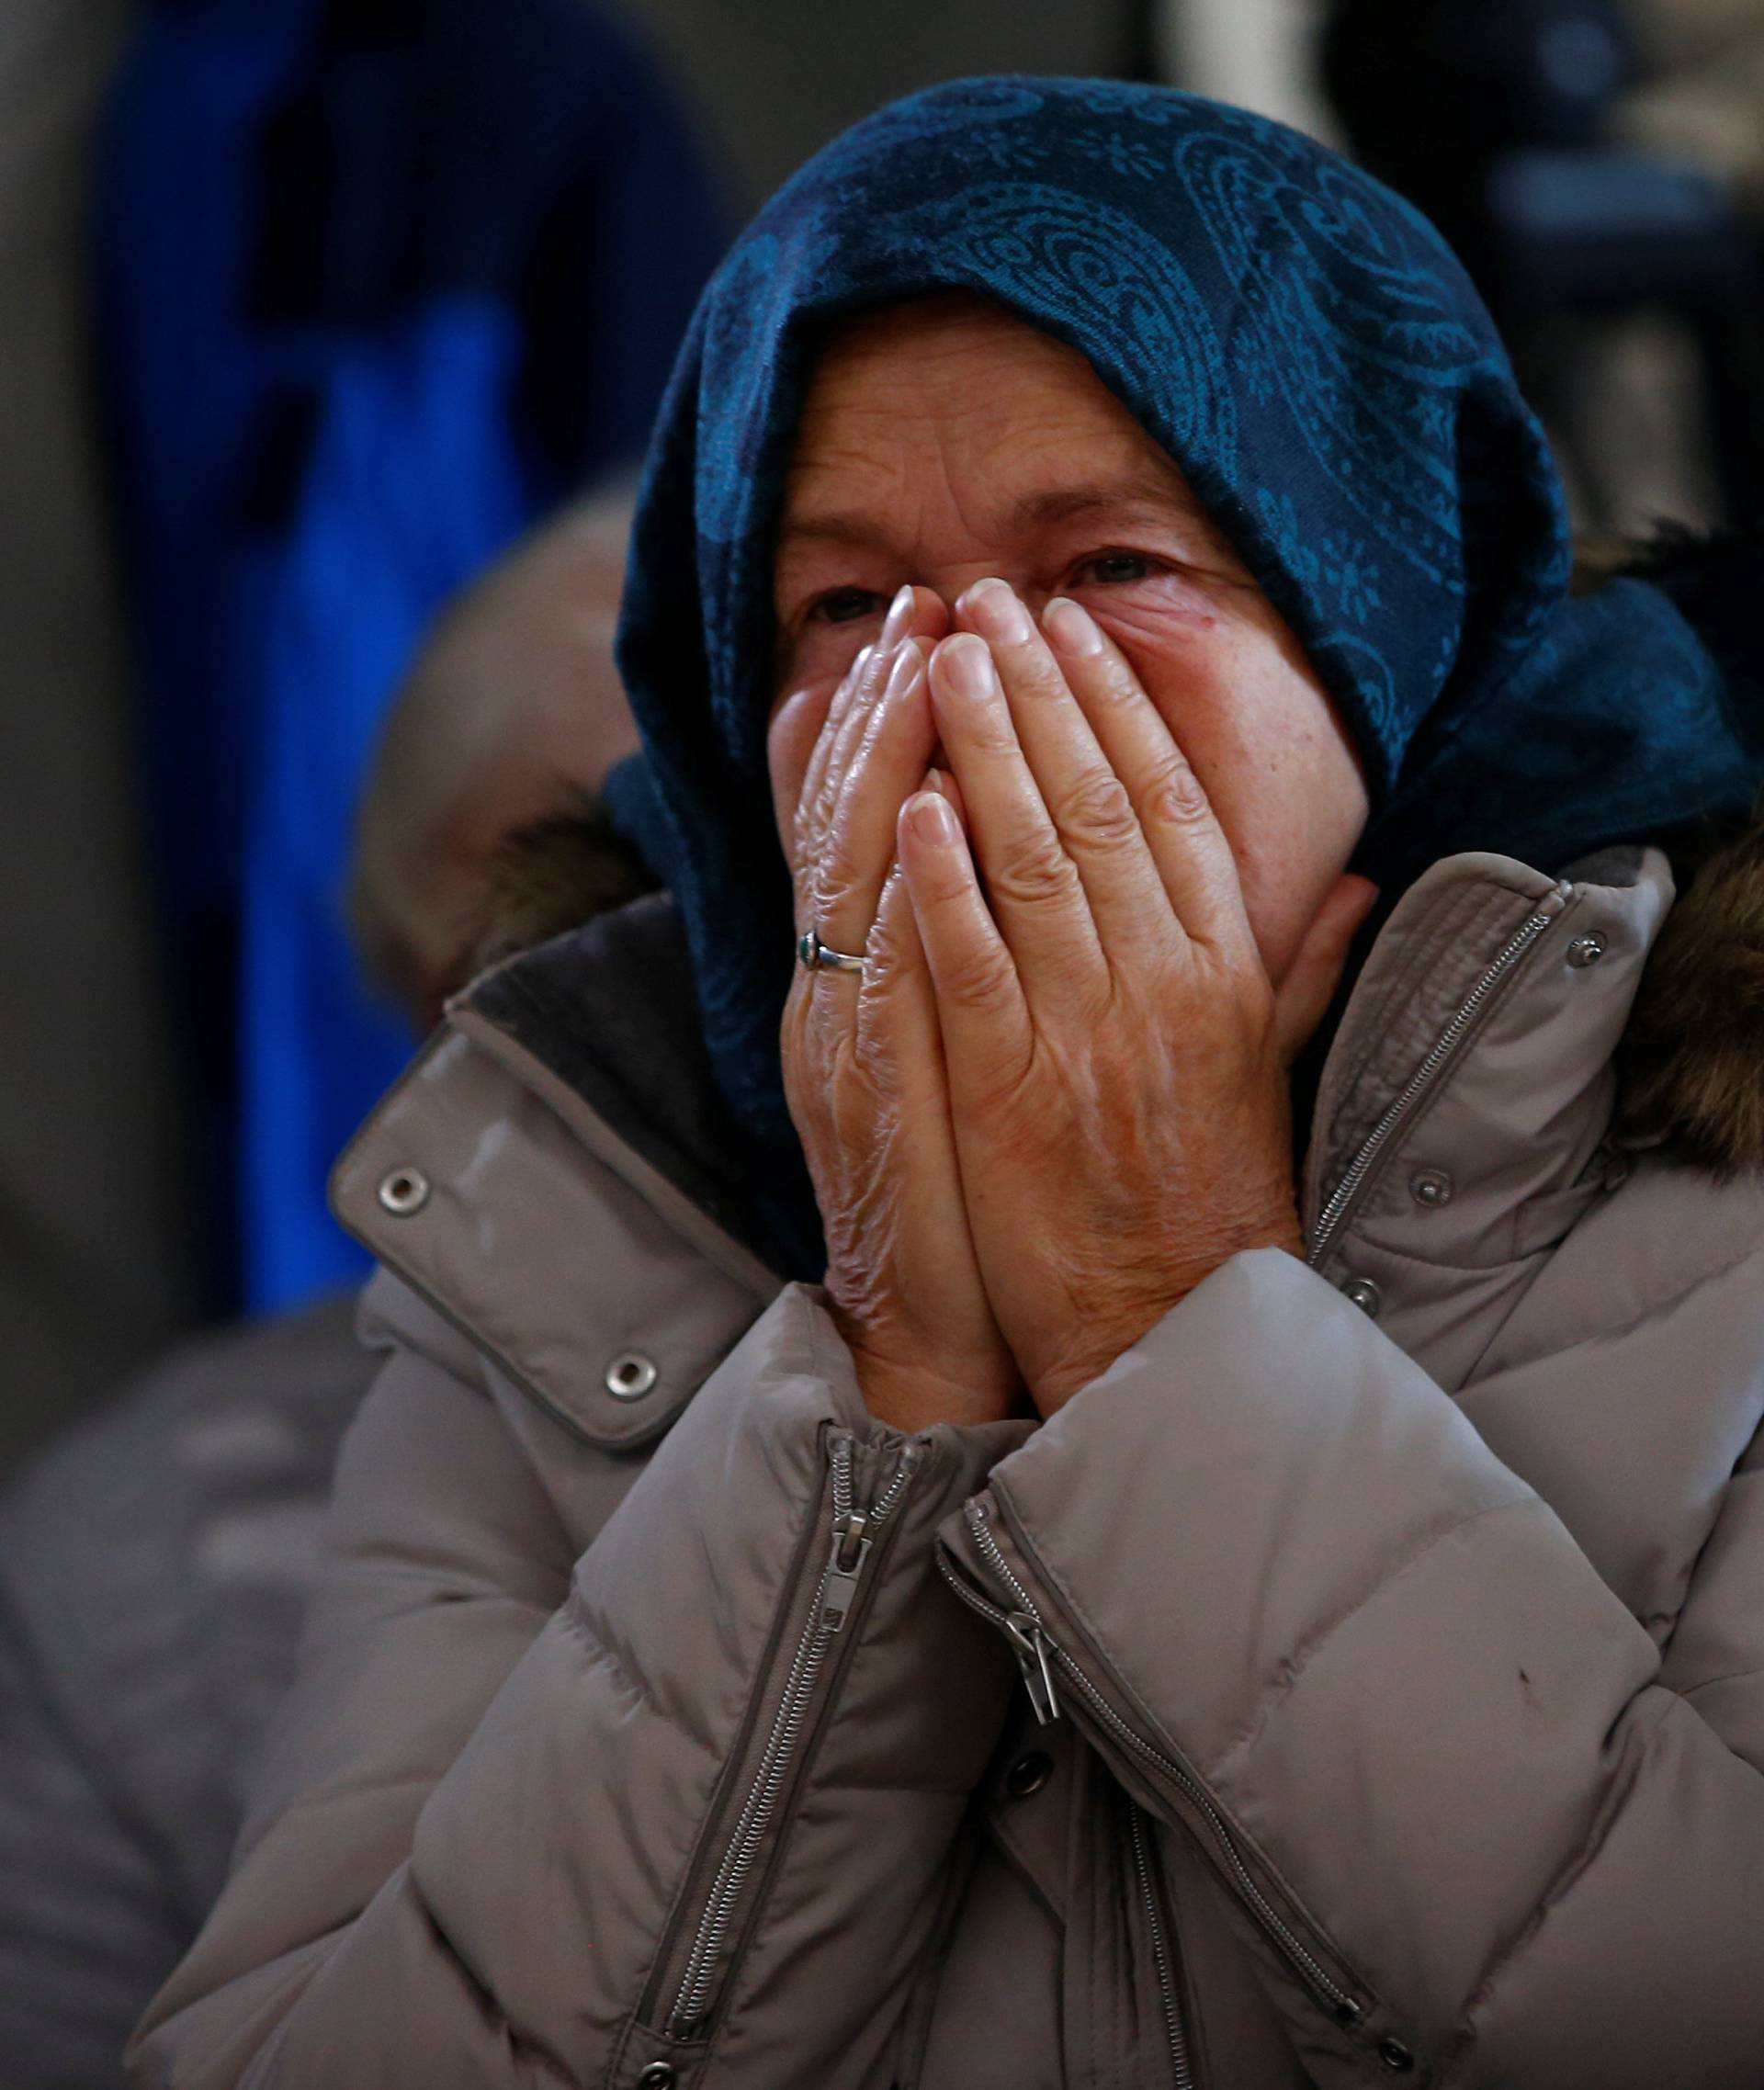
1117,1057
863,1065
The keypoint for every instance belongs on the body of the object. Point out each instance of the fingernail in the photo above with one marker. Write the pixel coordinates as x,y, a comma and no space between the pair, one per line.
994,606
894,626
969,663
933,821
1072,628
908,665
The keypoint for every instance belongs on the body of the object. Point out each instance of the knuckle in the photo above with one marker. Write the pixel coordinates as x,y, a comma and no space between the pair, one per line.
885,951
946,887
1117,686
813,817
1035,871
1175,794
978,979
875,1058
1098,811
993,741
1039,678
837,880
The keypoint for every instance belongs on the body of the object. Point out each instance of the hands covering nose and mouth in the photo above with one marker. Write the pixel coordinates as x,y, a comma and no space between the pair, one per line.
1056,1100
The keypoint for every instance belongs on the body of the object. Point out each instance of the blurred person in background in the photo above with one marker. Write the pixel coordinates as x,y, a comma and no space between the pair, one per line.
1702,94
774,84
155,1564
1090,1411
322,264
1699,102
1627,272
379,282
516,690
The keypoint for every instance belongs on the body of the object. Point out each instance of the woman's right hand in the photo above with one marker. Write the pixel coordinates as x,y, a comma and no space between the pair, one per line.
863,1057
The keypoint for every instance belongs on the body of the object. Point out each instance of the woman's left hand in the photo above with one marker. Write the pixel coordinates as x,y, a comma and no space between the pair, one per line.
1118,1059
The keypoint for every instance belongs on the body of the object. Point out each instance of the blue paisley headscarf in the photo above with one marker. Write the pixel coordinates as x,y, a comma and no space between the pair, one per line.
1304,345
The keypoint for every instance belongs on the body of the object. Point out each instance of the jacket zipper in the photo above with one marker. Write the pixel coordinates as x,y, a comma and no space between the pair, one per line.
852,1538
1181,2073
1334,1215
1037,1655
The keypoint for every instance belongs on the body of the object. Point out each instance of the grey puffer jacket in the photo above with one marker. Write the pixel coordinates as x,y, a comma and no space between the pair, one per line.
1395,1624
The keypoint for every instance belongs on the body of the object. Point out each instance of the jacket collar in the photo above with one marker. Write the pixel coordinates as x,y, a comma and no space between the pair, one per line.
1467,1108
548,1177
1480,953
606,1014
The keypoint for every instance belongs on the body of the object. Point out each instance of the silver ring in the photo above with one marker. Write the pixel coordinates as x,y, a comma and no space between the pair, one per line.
813,955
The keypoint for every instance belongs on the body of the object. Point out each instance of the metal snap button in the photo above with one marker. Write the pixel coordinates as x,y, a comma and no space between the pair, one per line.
1395,2056
1431,1187
1586,951
1365,1294
1029,1774
403,1191
629,1377
658,2075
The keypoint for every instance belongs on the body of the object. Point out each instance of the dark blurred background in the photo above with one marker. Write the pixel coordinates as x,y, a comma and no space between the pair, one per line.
331,333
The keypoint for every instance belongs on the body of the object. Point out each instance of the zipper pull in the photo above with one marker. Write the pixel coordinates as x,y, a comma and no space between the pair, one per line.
850,1550
1032,1646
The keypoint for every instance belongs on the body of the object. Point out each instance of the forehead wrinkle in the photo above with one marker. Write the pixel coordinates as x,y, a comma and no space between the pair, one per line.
1148,492
973,436
857,530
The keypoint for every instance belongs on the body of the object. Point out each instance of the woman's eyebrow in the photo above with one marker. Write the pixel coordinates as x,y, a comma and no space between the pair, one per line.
1144,492
833,529
1151,496
1148,495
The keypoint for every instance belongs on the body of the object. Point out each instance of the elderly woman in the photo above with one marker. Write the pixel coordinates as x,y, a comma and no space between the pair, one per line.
1165,1492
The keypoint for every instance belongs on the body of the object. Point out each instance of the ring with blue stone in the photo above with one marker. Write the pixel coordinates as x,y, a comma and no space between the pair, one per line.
813,955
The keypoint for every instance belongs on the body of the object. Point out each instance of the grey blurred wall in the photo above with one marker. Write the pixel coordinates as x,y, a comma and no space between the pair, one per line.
93,1275
775,79
1258,53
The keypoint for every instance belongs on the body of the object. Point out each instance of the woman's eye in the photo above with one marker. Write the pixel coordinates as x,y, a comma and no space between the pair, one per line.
846,605
1115,567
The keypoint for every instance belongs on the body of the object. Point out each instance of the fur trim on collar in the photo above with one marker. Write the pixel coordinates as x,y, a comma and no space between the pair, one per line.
553,875
1692,1058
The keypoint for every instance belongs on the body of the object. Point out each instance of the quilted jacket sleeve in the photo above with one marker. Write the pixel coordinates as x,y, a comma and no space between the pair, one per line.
542,1818
1314,1623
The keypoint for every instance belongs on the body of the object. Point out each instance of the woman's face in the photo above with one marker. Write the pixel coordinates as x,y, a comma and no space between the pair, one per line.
945,442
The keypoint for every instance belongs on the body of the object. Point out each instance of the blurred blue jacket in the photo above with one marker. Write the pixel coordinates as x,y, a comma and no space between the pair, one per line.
377,281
